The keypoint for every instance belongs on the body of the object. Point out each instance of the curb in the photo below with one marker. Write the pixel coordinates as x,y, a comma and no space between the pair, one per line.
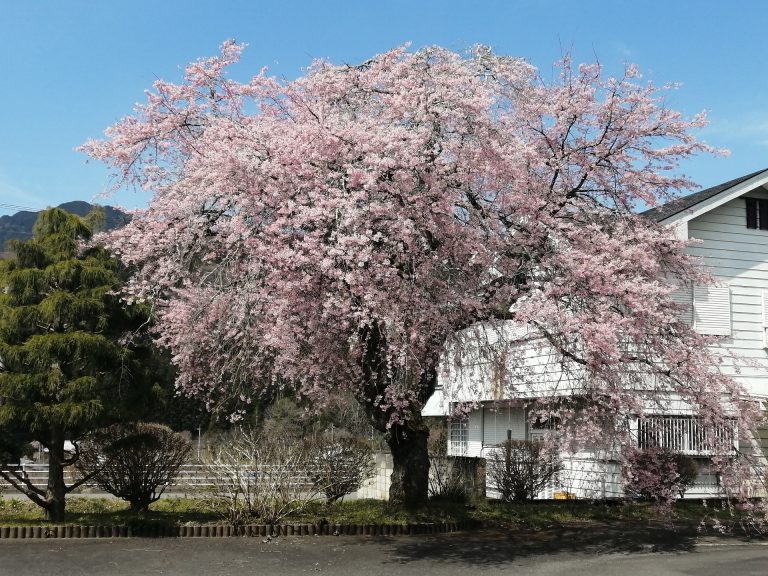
221,531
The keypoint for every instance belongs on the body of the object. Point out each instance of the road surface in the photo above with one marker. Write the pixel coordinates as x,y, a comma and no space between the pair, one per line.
546,554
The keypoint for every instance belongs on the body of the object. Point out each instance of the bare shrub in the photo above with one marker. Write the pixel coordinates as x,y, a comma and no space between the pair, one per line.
447,479
437,443
520,469
260,477
135,462
341,465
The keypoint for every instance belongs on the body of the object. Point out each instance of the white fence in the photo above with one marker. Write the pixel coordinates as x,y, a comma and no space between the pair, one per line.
191,477
198,477
583,477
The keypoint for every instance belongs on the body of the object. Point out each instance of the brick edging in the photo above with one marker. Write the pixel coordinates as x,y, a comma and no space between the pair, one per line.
221,531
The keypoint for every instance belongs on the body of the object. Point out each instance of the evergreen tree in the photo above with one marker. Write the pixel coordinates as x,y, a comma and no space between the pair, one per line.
70,355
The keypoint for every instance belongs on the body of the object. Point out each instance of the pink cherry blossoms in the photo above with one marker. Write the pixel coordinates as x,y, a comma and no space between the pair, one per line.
335,231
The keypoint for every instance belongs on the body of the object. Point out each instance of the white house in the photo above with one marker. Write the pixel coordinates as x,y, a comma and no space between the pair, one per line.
731,221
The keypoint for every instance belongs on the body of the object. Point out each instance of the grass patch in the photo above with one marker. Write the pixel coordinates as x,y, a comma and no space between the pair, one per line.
539,514
525,515
548,513
108,511
379,512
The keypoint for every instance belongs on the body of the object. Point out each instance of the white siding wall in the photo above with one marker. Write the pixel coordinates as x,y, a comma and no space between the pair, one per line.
585,475
514,368
589,477
738,257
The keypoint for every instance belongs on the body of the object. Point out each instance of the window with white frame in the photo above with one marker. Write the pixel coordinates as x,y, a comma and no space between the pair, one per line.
540,428
458,433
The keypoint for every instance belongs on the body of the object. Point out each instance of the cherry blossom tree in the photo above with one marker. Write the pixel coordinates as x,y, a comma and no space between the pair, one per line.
336,231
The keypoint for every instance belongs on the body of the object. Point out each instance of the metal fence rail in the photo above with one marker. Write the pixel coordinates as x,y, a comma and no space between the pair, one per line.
190,477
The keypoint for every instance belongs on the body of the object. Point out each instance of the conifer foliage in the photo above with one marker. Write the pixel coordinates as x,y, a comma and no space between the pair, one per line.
65,367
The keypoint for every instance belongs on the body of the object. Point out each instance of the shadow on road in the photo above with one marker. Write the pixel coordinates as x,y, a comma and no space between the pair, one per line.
495,548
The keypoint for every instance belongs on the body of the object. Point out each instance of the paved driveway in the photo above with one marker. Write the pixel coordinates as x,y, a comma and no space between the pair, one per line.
544,553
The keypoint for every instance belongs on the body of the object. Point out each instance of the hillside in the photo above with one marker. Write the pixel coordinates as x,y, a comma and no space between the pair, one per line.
19,226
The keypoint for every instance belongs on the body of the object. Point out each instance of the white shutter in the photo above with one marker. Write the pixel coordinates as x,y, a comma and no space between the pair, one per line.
712,310
764,301
683,295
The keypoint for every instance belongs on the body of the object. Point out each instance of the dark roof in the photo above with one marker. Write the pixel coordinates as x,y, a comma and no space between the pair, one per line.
686,202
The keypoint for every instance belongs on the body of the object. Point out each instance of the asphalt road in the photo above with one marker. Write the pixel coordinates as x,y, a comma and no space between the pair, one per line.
570,552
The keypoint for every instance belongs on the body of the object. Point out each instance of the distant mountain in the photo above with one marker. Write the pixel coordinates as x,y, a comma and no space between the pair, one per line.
19,225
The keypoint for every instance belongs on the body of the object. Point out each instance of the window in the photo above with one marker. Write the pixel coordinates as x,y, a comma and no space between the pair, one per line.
541,427
458,436
757,213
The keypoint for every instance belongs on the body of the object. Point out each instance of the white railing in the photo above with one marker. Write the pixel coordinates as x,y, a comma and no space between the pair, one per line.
189,477
684,434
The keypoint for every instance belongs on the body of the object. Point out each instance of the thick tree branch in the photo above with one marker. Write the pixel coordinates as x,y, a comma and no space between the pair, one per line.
24,485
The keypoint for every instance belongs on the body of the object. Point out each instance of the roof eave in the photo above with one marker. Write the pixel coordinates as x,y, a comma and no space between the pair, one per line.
756,181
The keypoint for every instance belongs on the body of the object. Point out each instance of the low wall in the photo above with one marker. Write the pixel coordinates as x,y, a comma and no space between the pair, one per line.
377,486
470,471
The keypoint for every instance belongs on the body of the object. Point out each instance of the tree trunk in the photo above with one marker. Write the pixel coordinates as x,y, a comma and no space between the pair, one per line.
140,506
408,439
56,490
410,458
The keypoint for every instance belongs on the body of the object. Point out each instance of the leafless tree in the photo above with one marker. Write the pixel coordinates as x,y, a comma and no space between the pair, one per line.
260,476
341,465
520,469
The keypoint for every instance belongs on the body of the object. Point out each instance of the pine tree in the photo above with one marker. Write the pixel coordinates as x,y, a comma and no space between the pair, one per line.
67,365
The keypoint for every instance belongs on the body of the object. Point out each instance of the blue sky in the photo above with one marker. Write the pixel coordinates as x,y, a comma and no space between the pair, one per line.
69,69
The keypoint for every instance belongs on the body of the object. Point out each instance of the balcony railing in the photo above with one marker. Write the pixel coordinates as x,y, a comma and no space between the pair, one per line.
684,434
